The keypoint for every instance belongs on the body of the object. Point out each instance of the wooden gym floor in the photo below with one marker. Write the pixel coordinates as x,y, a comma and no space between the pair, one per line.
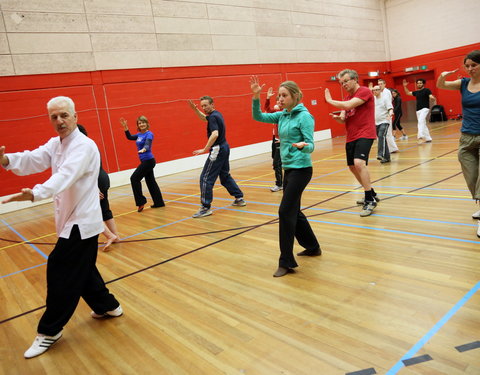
396,292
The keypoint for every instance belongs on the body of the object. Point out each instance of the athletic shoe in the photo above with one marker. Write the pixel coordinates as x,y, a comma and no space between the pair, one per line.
140,208
239,202
276,188
361,202
383,161
202,211
109,314
41,344
404,138
476,215
478,229
368,208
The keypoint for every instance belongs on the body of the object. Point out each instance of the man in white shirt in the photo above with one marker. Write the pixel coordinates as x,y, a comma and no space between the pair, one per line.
386,93
383,115
71,269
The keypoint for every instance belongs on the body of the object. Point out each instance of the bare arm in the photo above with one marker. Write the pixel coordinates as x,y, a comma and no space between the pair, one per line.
3,159
199,113
344,105
211,140
407,91
448,85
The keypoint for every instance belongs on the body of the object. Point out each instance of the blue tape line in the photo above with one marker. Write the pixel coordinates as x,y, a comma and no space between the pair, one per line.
433,331
25,239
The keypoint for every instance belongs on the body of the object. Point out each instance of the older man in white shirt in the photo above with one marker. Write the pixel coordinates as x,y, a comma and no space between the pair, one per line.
386,93
71,269
383,116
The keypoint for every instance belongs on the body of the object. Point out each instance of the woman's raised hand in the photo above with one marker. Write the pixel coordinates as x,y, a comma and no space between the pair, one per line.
445,74
124,123
255,86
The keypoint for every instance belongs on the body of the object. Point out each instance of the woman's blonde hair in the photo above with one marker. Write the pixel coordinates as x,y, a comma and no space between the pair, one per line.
294,91
143,119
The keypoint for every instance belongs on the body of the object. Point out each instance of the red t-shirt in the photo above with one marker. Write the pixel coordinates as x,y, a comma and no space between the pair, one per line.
360,121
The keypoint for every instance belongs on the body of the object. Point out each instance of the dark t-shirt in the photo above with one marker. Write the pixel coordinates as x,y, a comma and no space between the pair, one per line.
215,122
423,98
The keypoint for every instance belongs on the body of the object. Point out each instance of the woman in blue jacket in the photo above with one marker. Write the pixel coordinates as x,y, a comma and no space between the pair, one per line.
295,130
144,139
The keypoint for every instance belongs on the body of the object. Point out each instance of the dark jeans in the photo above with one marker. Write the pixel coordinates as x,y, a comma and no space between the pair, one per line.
277,162
71,274
293,223
217,164
383,151
145,170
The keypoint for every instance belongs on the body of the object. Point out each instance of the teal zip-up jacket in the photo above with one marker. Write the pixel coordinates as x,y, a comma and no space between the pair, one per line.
294,126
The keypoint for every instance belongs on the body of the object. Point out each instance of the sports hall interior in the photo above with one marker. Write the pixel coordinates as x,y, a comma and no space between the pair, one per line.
393,293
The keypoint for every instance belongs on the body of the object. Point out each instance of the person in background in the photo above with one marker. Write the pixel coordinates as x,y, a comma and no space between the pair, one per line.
295,128
397,112
277,160
218,161
423,96
387,94
383,115
469,143
144,140
358,115
110,228
71,270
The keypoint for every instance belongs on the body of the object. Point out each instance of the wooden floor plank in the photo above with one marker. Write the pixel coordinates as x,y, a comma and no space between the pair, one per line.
199,296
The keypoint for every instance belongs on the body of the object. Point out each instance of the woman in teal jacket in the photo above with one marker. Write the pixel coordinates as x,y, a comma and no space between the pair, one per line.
295,129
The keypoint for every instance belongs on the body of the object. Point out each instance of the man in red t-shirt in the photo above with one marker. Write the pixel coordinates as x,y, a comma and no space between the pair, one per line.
358,115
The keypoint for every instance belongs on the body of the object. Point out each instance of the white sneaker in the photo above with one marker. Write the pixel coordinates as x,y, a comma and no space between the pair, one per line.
41,344
476,215
478,229
239,202
276,188
202,211
109,314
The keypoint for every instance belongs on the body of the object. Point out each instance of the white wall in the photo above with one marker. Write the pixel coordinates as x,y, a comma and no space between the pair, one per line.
417,27
54,36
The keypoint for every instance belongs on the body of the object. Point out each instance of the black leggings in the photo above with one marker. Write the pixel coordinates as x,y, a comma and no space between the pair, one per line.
396,122
292,222
145,170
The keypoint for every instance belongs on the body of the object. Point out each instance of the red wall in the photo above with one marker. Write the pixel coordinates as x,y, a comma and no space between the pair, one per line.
161,94
436,63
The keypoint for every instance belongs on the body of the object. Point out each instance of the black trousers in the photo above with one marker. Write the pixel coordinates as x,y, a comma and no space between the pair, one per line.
71,274
396,122
293,223
277,162
145,170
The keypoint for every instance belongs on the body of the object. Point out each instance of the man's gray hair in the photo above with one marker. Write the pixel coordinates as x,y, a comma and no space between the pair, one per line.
62,99
351,73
